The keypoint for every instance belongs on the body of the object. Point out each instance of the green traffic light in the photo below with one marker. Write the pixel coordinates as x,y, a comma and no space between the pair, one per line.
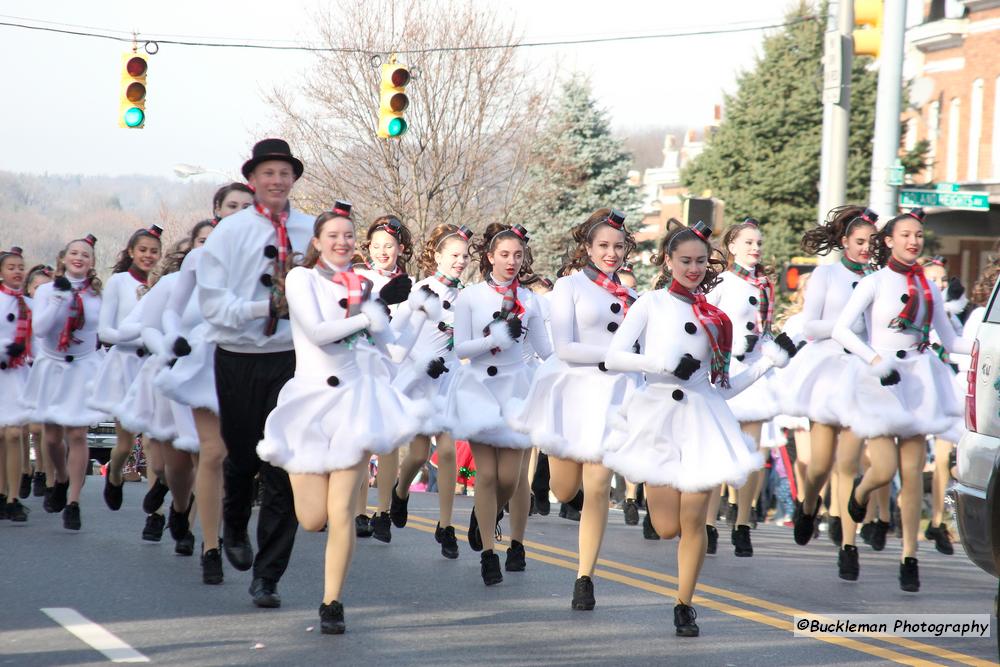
134,117
397,126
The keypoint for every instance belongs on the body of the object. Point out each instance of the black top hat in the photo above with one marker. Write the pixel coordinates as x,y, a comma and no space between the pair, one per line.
272,149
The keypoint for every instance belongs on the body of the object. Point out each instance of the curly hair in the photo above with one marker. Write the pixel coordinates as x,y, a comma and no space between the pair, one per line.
403,236
494,232
583,233
677,233
981,290
95,283
824,239
881,252
124,261
426,262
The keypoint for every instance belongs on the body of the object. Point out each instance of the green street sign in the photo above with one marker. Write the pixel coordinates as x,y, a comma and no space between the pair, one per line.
966,200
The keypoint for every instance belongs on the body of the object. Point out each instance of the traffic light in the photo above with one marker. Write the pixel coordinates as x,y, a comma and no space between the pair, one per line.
868,36
393,100
132,102
796,268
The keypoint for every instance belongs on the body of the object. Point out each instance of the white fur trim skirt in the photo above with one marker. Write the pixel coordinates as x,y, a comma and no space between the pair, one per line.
13,382
187,435
120,367
566,412
478,402
412,380
680,435
191,380
57,391
145,409
811,384
759,401
327,423
922,403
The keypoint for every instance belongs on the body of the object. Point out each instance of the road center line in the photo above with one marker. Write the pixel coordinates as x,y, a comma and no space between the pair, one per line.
92,634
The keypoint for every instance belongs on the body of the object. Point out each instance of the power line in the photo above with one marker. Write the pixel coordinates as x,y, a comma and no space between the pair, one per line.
434,49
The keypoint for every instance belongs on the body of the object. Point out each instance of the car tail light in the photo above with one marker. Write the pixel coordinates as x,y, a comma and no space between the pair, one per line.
970,390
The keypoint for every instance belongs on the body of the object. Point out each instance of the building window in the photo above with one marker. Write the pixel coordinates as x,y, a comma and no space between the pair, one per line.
975,130
933,136
995,130
954,120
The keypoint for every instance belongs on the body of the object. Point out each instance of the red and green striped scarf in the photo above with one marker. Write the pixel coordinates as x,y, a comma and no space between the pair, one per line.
716,324
76,318
612,285
907,317
511,305
358,288
22,333
278,220
396,271
765,299
856,267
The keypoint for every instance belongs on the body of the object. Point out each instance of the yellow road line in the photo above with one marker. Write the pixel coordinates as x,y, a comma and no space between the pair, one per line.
902,642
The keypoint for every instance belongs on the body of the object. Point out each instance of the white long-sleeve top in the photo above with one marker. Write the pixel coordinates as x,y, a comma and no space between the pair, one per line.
119,296
740,301
234,301
431,338
829,289
669,329
152,314
50,315
584,319
474,311
183,310
879,299
8,321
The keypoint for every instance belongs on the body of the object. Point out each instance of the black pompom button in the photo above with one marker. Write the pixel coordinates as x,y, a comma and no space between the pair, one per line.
446,305
266,280
333,380
637,347
901,354
904,298
342,303
750,326
141,352
690,328
846,351
740,357
753,301
491,370
270,251
616,308
69,358
10,317
496,315
3,365
854,284
677,395
602,366
442,326
612,327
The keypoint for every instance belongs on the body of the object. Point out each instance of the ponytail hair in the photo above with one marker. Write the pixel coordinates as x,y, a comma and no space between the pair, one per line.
676,234
584,233
840,222
881,252
493,234
391,225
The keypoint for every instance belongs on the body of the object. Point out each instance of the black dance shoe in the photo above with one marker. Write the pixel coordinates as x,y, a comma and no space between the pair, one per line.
880,531
847,563
446,538
854,508
153,530
684,617
712,544
583,594
909,575
47,500
185,545
112,494
489,567
631,511
648,532
3,508
542,503
362,526
38,485
59,493
17,512
153,500
25,489
475,539
515,557
938,534
382,527
836,530
805,524
741,542
211,567
179,523
71,516
236,545
567,511
264,593
866,532
398,510
731,511
331,618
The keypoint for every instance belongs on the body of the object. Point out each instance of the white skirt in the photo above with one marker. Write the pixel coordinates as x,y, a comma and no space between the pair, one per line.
680,435
191,380
57,391
478,402
322,424
758,402
566,412
811,384
145,409
187,435
413,381
922,403
13,382
956,430
117,372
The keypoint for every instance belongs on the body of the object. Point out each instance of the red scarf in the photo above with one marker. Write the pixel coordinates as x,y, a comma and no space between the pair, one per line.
907,317
284,248
612,285
22,334
765,300
511,305
358,288
385,274
76,318
718,327
139,275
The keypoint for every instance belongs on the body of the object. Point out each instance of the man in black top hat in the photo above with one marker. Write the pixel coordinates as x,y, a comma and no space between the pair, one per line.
241,279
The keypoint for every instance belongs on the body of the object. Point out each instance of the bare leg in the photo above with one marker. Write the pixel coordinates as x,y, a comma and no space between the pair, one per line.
497,473
520,503
56,446
714,499
447,474
14,459
594,517
208,481
631,490
673,512
415,458
747,494
883,456
942,475
123,447
803,456
912,454
178,476
823,439
848,453
388,468
79,459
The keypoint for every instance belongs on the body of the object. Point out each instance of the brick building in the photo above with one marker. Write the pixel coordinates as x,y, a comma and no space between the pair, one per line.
953,65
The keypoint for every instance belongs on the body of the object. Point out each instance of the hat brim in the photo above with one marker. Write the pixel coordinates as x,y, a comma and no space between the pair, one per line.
252,163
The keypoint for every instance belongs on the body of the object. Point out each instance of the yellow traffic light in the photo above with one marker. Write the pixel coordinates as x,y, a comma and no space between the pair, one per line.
393,100
132,92
868,38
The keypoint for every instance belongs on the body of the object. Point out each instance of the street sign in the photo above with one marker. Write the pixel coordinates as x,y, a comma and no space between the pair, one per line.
833,66
896,173
966,200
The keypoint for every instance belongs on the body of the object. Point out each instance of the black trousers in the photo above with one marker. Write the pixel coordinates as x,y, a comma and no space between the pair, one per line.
248,386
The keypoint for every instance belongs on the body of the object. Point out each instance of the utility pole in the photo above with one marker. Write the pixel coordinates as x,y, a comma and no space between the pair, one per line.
838,60
885,145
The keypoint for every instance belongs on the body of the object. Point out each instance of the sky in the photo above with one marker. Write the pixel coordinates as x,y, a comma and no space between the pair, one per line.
205,106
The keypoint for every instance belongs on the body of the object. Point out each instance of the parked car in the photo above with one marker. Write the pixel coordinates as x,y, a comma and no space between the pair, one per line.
101,440
977,488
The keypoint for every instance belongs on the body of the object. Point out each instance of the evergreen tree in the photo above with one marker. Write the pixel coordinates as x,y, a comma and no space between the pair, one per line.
577,167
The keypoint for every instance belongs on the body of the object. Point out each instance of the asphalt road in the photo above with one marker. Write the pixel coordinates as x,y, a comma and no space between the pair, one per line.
406,605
